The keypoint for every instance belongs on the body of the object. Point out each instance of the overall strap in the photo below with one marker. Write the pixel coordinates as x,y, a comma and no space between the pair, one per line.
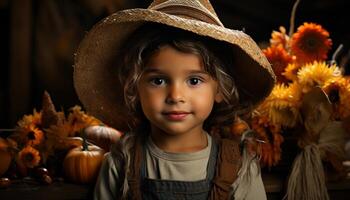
134,179
228,164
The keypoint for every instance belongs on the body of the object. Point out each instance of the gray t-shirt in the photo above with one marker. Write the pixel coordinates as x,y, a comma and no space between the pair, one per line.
171,166
176,166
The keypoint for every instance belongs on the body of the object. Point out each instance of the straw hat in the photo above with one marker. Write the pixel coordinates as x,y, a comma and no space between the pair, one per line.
95,77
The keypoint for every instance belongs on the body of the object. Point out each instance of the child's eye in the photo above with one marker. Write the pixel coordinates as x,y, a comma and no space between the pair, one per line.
157,81
195,81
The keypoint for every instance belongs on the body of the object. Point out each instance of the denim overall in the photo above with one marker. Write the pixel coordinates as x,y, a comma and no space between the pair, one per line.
171,190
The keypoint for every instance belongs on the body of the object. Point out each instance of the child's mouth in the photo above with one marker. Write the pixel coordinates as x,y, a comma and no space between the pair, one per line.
176,115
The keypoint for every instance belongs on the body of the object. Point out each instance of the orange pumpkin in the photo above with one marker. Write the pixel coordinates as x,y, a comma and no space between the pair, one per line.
102,136
5,160
82,164
5,156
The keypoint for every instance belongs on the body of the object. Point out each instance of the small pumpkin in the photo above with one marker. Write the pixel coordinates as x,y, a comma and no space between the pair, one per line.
68,143
102,136
82,164
5,160
5,156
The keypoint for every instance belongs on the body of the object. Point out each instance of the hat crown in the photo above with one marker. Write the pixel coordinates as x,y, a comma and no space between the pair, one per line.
191,9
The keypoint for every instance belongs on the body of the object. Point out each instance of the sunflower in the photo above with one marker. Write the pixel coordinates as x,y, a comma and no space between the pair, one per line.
259,124
29,135
30,120
78,120
333,88
310,42
291,71
344,106
269,133
279,59
279,38
29,156
283,105
295,93
316,74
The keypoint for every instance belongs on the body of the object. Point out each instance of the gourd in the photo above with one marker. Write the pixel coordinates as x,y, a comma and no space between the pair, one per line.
82,164
102,136
5,157
5,161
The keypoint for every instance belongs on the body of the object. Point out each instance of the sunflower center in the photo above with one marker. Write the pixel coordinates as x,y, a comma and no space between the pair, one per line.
31,135
310,44
28,157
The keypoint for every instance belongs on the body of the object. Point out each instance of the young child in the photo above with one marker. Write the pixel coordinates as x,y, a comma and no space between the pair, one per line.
166,76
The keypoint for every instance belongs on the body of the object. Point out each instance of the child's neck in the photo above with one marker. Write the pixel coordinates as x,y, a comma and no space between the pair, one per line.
183,143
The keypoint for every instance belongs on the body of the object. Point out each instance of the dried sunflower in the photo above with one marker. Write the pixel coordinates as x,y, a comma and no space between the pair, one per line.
78,120
283,105
29,135
29,156
30,120
310,42
295,92
279,59
270,134
291,71
333,88
344,106
280,38
316,74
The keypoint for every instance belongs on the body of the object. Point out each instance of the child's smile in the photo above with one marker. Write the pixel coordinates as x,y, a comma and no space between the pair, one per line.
176,115
176,94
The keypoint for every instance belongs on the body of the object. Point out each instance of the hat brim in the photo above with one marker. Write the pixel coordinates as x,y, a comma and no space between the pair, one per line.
95,77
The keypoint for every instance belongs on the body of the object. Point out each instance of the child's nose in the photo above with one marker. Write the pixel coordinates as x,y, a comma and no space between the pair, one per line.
175,94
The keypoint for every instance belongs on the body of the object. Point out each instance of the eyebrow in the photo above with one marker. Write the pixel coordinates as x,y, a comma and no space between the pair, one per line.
154,70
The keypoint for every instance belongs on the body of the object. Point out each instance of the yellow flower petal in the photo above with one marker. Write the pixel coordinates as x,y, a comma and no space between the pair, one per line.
316,74
29,156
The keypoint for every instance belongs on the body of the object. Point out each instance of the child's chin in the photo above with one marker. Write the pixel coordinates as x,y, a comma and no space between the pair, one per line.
176,130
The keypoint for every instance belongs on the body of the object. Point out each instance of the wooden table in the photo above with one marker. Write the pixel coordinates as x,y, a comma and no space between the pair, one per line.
274,186
23,190
55,191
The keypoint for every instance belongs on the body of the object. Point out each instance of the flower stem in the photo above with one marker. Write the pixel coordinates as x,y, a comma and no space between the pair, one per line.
335,54
292,18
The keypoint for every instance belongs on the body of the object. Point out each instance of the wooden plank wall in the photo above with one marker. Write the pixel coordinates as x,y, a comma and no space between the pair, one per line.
20,58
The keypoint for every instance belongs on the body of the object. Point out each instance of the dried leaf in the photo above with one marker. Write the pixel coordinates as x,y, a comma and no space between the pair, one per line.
49,114
316,111
331,144
332,138
346,124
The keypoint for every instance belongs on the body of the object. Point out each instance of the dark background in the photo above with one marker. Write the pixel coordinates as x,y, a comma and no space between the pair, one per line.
39,38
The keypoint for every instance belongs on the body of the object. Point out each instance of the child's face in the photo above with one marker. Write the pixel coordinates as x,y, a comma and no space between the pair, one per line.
176,94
